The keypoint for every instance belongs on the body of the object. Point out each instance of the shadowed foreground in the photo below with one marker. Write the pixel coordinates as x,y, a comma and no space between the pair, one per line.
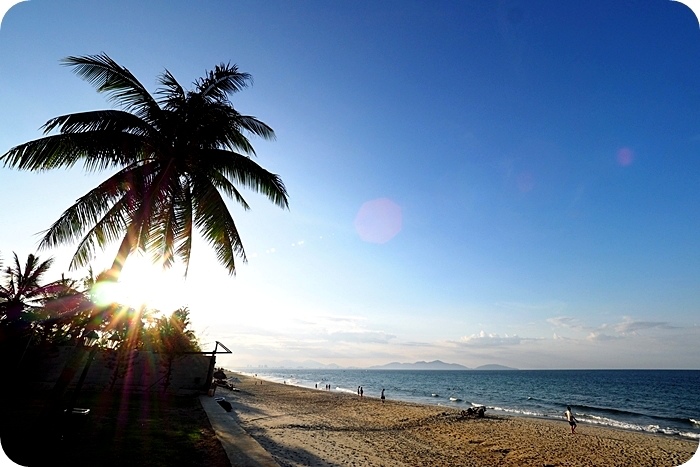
133,430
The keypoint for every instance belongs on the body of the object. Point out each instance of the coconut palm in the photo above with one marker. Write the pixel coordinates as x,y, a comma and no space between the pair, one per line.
175,153
70,311
21,291
172,334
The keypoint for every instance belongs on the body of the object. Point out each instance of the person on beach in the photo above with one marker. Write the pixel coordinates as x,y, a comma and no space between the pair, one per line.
572,420
362,391
382,396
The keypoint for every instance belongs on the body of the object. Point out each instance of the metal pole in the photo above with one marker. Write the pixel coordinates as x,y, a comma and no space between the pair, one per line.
74,398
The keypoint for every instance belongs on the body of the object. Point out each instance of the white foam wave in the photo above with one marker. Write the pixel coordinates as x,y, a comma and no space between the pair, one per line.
527,413
596,420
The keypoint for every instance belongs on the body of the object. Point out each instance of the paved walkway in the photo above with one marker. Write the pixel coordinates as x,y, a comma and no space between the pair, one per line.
241,448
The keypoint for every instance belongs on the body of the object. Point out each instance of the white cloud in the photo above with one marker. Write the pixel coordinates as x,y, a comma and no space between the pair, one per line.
600,337
565,322
483,339
630,326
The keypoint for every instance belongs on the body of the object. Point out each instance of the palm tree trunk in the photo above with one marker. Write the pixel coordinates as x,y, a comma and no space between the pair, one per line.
125,249
112,275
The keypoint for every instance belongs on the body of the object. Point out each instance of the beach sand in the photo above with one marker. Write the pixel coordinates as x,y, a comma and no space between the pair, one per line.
309,427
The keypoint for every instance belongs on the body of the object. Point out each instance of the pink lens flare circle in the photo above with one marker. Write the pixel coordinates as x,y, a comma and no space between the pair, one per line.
378,220
625,157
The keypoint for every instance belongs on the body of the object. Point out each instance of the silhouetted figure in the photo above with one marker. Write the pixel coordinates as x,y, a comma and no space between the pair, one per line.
572,420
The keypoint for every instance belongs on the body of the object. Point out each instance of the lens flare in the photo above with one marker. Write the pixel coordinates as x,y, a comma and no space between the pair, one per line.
378,221
625,157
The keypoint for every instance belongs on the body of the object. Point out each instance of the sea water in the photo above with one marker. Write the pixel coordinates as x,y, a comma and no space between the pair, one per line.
655,401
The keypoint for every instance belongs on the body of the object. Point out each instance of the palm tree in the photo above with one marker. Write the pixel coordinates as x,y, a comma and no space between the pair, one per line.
175,154
21,300
21,292
68,311
169,335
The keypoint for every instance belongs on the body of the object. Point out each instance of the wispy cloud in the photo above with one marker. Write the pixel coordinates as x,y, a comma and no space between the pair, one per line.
360,337
627,327
630,326
482,339
566,322
601,337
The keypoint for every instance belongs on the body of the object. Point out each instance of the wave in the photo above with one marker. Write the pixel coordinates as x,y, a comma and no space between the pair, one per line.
602,421
584,409
595,420
521,412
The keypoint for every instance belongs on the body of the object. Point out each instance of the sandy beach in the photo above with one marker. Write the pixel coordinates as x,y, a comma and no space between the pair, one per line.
308,427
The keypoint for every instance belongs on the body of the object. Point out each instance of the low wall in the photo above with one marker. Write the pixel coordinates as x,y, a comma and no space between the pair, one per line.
134,371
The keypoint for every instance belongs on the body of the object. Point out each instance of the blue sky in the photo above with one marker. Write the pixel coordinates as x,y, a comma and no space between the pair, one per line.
509,182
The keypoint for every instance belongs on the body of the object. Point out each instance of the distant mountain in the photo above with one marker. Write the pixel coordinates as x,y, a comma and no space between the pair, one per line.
434,365
494,367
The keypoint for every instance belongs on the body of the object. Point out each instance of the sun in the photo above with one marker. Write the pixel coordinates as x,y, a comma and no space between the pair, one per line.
144,284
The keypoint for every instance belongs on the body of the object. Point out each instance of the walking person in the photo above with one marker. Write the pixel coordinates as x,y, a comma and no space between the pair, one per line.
382,396
362,391
572,420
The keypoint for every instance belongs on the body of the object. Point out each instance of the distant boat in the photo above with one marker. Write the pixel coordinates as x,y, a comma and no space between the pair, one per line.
435,395
455,399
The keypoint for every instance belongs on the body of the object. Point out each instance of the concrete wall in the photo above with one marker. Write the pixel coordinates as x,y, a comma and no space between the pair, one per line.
136,371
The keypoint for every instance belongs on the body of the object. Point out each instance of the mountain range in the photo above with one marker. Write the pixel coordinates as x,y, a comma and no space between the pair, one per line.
434,365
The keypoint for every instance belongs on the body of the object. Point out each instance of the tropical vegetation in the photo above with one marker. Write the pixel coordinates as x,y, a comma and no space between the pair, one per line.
38,314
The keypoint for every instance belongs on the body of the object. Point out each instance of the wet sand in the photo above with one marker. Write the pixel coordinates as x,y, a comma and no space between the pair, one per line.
308,427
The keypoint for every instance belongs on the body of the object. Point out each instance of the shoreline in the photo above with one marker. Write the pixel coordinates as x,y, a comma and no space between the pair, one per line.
302,426
496,412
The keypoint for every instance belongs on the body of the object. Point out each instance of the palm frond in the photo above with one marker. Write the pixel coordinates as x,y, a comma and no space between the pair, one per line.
183,249
108,208
245,171
214,221
98,150
106,230
120,85
256,127
224,185
168,220
99,120
172,95
224,79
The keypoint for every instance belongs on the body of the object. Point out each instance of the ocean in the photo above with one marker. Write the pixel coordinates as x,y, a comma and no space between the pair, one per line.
654,401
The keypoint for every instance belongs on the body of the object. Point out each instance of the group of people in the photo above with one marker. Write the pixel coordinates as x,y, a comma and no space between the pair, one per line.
361,393
474,412
327,388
